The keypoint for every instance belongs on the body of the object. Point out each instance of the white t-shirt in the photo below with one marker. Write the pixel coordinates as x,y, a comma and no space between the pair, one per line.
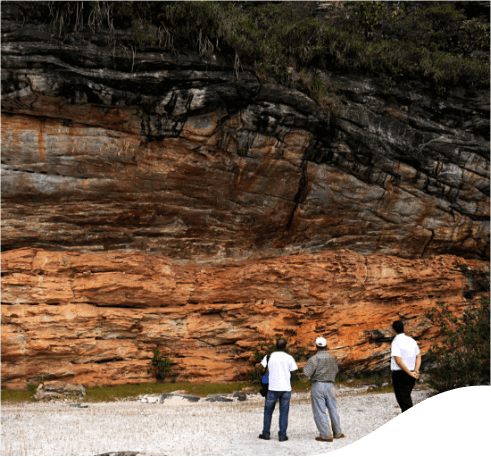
280,365
406,348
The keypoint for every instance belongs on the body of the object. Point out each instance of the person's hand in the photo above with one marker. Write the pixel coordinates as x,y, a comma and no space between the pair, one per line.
415,375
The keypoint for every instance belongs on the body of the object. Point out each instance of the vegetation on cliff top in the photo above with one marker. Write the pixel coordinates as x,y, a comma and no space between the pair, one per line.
445,43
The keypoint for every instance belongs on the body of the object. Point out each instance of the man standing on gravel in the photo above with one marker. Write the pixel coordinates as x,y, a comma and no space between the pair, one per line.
404,362
322,369
280,366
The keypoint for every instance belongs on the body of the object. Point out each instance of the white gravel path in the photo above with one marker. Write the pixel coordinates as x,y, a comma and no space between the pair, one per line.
184,428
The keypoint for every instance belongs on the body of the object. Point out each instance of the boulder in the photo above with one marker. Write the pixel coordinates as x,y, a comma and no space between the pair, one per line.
249,390
218,398
57,389
150,399
191,398
241,396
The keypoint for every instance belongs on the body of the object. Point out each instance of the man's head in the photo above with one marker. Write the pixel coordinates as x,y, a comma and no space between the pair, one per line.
281,344
398,327
321,343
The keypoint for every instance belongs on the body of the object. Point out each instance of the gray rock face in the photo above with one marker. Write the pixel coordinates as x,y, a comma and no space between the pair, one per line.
172,154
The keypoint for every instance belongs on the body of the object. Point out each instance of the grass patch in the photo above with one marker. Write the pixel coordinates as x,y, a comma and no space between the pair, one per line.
112,393
16,395
132,391
300,385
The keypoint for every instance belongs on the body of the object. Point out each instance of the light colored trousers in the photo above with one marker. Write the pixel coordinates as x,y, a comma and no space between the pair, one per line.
322,396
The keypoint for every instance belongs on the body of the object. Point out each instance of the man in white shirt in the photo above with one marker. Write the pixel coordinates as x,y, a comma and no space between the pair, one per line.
280,366
404,362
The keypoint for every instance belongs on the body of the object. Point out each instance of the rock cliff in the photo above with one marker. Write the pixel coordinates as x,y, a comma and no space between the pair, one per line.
94,318
155,199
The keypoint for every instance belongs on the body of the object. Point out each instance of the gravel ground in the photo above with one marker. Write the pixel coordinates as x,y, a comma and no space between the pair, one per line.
183,428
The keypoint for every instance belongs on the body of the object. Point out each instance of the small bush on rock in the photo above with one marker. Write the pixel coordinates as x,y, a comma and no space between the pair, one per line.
462,358
32,387
160,366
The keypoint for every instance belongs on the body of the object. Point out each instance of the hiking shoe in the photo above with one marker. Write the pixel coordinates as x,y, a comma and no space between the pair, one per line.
284,439
263,437
340,436
330,440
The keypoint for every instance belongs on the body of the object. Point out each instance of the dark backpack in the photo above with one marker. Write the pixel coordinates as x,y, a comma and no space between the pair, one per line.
265,379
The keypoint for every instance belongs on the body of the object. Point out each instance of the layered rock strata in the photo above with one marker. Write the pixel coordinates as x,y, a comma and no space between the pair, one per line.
94,318
175,154
159,199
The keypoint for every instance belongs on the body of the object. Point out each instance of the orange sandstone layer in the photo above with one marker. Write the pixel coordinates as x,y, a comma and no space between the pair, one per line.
94,318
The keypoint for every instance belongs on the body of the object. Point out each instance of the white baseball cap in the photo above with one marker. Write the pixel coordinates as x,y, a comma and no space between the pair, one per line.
321,342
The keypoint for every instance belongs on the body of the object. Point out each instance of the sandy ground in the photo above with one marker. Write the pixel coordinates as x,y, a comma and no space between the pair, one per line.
182,428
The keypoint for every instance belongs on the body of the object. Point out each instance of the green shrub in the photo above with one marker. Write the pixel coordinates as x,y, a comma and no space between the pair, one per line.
378,381
160,366
462,358
32,387
341,377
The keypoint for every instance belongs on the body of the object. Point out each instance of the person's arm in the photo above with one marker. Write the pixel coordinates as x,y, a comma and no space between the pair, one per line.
404,368
418,364
309,368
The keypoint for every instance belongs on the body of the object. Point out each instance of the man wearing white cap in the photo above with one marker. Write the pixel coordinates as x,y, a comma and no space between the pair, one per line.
322,369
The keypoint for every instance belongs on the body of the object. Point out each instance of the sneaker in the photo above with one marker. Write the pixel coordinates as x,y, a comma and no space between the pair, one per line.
263,437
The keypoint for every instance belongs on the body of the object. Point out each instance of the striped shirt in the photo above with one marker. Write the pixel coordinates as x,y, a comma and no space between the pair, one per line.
322,367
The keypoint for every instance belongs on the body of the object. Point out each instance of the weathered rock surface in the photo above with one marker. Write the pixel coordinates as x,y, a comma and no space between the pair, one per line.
241,396
102,150
190,398
57,389
221,398
154,199
94,318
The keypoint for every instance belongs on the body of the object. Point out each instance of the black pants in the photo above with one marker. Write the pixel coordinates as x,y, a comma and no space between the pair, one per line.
403,385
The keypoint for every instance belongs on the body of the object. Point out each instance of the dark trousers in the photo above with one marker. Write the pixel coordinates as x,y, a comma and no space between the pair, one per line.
271,399
403,385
